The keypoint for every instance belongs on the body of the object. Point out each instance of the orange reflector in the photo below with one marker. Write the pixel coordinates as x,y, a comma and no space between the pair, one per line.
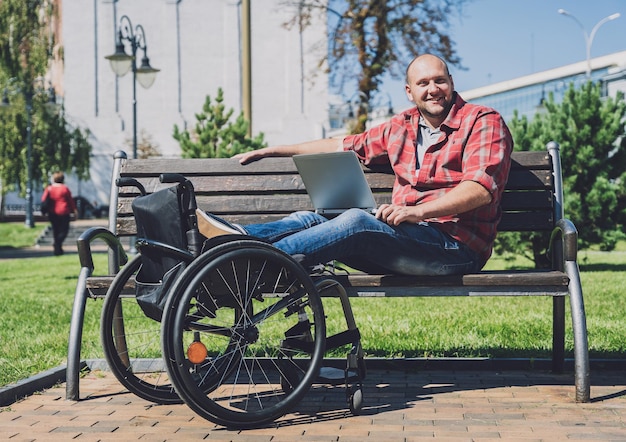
196,352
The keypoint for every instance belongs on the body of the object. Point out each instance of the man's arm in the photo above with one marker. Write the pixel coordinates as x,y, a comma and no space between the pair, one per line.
317,146
468,195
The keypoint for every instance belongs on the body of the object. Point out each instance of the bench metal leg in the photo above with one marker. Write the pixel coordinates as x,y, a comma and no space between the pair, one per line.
567,255
579,326
76,336
558,334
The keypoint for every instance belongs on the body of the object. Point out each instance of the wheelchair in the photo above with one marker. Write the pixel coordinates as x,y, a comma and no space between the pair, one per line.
231,326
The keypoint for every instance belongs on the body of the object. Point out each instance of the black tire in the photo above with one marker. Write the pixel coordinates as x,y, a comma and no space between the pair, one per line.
131,342
259,316
355,399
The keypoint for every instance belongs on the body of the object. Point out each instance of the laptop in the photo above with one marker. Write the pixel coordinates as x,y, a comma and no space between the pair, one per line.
335,182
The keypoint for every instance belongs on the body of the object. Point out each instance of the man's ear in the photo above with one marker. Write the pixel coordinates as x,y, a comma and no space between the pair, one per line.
407,90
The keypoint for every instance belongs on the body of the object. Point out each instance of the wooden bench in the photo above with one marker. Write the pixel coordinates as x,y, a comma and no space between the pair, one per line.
270,189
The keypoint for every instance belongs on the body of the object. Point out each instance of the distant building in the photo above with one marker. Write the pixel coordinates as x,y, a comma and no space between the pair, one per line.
197,46
526,94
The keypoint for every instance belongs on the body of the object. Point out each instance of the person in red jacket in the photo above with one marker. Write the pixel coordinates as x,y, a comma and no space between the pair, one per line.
62,207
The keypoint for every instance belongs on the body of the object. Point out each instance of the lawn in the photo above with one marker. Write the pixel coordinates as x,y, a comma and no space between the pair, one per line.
36,296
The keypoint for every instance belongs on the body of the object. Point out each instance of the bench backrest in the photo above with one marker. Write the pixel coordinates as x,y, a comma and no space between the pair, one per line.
270,189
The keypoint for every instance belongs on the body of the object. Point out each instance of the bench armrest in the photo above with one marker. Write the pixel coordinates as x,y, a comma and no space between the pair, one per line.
565,230
84,241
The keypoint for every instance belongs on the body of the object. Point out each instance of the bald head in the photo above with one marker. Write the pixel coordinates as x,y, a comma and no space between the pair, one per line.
429,85
424,60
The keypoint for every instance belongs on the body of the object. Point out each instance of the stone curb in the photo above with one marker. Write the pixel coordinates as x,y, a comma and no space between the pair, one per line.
29,386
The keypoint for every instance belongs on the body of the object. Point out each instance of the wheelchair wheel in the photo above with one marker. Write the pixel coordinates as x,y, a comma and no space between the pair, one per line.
243,334
131,342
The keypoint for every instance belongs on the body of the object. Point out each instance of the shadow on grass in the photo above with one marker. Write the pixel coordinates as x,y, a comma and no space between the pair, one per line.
603,267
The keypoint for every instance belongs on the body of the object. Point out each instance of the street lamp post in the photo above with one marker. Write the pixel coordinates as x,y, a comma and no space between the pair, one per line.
29,220
121,63
589,37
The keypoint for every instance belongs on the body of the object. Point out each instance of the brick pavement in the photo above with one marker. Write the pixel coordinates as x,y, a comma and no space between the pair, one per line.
398,406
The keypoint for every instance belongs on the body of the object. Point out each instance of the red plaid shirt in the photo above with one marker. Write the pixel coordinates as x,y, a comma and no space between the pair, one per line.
475,144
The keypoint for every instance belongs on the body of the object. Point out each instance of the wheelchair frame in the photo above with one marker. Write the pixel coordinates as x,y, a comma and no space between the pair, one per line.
244,379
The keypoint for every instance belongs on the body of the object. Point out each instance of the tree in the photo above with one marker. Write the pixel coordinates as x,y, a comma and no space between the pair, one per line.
25,50
215,136
590,132
371,38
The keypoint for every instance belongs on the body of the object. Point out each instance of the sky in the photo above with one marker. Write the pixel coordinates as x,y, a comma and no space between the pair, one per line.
498,40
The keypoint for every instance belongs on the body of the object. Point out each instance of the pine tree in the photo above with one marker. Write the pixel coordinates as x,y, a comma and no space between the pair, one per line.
214,135
590,131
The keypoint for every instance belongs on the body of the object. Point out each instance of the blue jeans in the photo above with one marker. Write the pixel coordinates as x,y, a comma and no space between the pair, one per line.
361,241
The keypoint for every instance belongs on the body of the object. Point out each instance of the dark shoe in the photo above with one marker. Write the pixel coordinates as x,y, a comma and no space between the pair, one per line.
211,226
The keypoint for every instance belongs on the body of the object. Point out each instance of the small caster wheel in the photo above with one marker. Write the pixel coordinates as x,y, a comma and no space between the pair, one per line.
355,400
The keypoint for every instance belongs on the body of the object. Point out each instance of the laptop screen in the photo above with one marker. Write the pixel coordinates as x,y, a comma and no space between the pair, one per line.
335,182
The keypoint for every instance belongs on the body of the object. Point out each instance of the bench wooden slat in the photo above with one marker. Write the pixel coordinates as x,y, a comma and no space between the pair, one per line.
288,179
253,184
511,200
454,291
510,222
485,278
520,283
538,220
539,159
127,227
248,204
269,184
225,203
529,179
229,166
527,200
526,221
205,166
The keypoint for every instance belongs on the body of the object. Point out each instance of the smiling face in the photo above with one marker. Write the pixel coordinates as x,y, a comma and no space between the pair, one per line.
430,87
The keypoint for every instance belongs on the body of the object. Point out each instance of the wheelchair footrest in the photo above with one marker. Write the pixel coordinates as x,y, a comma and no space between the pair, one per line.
331,375
337,376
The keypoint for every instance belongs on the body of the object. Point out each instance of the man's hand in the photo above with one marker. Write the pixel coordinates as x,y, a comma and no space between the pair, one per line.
254,155
466,196
394,215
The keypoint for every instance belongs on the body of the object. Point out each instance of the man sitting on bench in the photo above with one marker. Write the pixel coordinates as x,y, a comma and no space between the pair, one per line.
451,160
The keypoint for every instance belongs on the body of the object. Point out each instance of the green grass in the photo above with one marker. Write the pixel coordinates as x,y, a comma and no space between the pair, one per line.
36,296
17,235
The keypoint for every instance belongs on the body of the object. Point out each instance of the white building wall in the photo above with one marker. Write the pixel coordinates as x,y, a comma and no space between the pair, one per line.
285,107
